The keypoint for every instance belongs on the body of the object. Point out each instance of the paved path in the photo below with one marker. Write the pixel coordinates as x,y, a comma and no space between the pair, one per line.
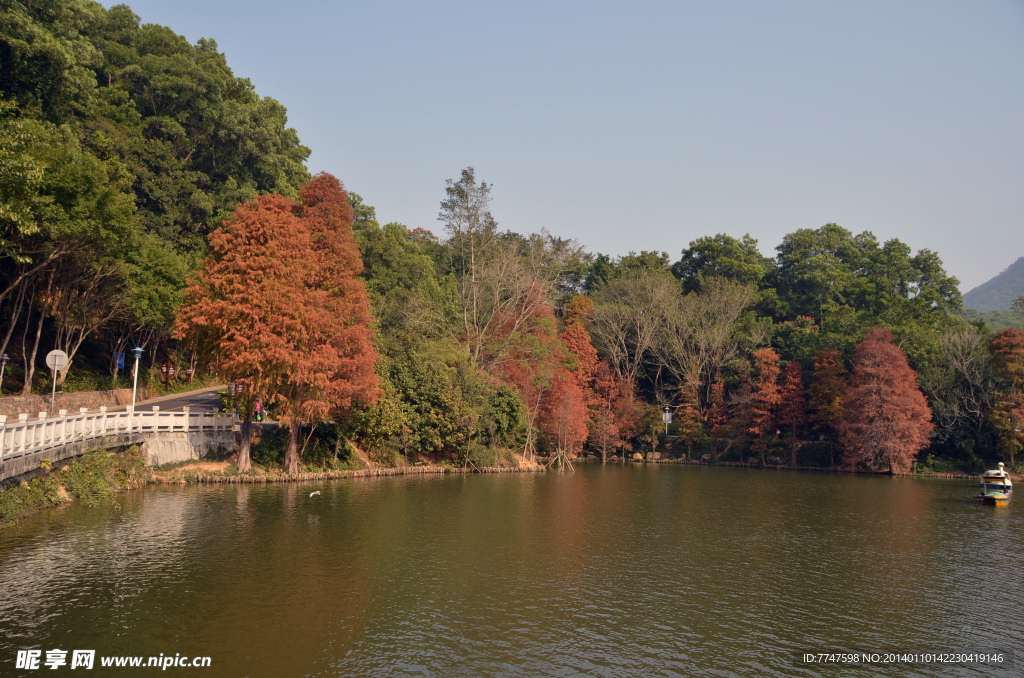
202,400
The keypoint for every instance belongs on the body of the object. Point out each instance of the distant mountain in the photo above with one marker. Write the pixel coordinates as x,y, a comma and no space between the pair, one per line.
997,293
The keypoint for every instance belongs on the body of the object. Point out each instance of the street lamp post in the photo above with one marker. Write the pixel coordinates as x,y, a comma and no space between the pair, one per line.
4,359
137,352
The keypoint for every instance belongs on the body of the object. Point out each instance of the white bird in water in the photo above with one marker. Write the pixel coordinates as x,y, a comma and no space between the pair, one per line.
314,494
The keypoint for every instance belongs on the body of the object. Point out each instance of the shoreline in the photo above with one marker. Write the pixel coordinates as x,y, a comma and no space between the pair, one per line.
47,490
947,475
265,478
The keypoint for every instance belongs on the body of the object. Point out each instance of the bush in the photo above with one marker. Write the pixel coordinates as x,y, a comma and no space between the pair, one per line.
270,449
94,478
482,456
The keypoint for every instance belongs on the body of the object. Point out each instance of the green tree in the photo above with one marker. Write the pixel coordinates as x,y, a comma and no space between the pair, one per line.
1007,414
722,256
825,395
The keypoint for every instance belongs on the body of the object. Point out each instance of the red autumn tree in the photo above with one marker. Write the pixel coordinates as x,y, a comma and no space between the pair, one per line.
792,404
717,415
277,303
240,307
826,395
564,418
1007,350
583,356
888,420
569,411
533,357
614,413
764,400
1007,414
332,367
578,311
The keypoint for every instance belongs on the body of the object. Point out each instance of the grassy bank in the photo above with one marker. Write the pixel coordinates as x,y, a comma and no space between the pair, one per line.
226,471
93,478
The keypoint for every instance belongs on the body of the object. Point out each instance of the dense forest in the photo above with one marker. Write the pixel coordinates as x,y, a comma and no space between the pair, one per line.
152,198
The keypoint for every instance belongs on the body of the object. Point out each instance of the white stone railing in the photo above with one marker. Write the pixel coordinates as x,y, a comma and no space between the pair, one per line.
20,437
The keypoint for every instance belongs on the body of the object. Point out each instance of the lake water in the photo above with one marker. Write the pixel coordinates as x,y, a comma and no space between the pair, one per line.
608,571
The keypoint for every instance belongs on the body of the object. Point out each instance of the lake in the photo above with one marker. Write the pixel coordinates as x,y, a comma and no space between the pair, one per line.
642,570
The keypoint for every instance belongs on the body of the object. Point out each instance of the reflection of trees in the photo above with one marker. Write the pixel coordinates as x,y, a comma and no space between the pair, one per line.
95,570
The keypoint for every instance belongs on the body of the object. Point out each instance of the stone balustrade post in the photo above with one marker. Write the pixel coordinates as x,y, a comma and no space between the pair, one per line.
39,433
63,425
103,422
3,434
185,410
23,420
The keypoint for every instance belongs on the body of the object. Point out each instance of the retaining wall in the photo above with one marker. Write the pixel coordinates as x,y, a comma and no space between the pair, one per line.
169,447
12,406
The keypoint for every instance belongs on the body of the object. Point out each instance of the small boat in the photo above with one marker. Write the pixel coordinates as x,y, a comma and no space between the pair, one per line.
996,487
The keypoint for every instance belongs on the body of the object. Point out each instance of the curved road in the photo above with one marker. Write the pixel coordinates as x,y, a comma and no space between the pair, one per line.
202,400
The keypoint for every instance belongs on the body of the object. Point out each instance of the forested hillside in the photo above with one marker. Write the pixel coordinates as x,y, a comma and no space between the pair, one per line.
998,293
121,146
134,162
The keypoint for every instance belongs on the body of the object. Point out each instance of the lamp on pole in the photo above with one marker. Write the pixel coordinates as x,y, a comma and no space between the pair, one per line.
137,352
4,359
667,418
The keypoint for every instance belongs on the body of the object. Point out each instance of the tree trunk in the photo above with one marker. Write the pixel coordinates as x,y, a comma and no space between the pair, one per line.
19,302
243,447
30,364
291,454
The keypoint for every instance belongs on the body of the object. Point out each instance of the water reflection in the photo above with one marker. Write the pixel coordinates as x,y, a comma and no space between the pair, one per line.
606,571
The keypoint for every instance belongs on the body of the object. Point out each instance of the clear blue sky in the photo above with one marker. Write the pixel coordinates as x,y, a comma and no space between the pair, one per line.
645,125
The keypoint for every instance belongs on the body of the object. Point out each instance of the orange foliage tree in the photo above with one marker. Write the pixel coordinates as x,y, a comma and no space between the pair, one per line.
277,303
532,360
610,409
614,414
565,415
573,395
1007,415
792,404
764,399
888,420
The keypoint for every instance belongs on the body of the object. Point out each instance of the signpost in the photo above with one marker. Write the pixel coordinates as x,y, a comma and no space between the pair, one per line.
137,352
167,371
56,360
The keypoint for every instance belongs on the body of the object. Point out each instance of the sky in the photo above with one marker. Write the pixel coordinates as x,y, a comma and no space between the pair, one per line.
643,126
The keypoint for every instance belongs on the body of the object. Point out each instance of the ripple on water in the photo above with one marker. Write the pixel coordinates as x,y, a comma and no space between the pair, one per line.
605,572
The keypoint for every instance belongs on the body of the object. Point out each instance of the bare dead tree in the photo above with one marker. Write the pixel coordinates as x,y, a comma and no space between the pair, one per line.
85,298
